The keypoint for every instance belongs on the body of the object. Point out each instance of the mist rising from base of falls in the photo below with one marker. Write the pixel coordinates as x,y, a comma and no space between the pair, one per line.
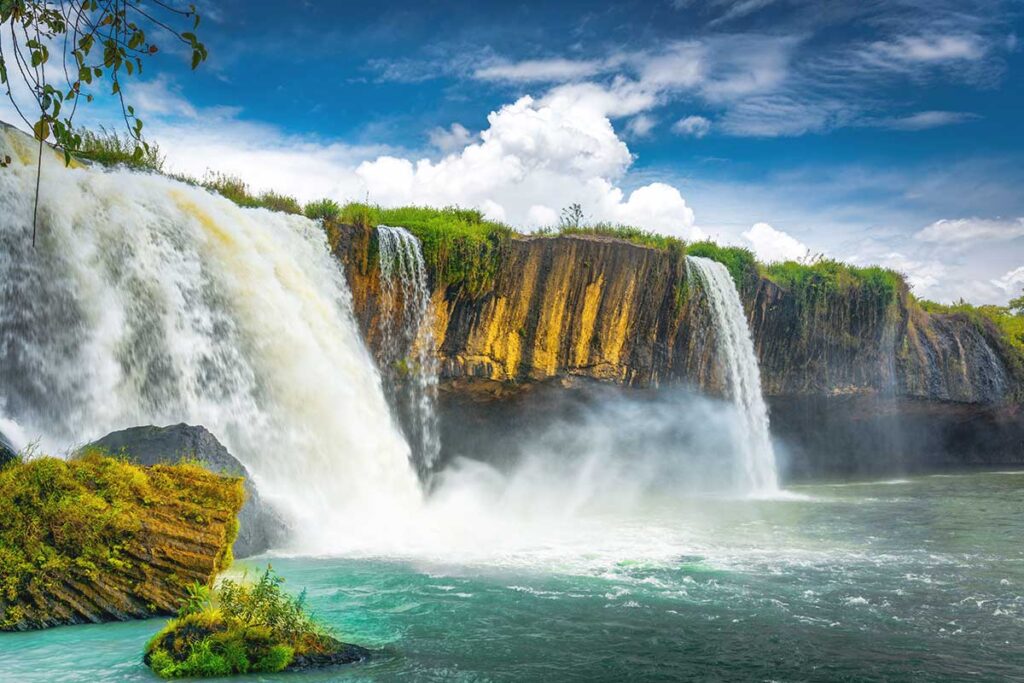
606,474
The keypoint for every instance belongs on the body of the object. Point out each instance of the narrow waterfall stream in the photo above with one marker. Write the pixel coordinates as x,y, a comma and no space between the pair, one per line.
408,340
148,301
741,374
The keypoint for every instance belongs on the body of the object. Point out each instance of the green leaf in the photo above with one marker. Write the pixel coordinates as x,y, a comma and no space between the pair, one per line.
41,129
197,57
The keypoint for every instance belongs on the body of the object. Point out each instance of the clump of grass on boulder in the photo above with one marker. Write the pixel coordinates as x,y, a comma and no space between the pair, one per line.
241,628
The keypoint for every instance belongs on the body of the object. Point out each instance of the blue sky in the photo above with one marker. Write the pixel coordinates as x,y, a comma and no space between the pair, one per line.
874,132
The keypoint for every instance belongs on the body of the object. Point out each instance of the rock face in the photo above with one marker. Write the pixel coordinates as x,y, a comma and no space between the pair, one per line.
7,451
99,539
260,527
604,309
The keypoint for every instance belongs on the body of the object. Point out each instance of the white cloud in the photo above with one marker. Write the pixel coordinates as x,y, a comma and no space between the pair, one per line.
694,126
641,125
540,70
923,120
681,65
771,245
926,277
540,216
1012,282
451,139
533,158
966,230
782,116
936,48
656,206
623,97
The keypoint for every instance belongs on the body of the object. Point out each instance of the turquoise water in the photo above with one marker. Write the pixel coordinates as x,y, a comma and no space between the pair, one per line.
919,579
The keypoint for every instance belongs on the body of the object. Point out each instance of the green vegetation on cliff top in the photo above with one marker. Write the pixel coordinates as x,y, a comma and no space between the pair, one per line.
460,245
238,628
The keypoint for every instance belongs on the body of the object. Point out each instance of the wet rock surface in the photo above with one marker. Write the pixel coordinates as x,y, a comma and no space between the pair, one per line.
260,527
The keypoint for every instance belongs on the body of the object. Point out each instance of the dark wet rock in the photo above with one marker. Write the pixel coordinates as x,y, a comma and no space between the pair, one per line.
341,653
260,526
8,453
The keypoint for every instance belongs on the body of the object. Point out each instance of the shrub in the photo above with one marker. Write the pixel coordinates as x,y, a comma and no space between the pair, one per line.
739,261
279,202
833,277
230,187
323,209
238,628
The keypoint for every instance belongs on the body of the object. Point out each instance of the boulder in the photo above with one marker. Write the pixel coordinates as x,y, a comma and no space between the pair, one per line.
260,526
100,539
8,453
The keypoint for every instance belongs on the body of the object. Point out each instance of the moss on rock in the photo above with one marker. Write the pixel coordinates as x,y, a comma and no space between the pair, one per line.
100,539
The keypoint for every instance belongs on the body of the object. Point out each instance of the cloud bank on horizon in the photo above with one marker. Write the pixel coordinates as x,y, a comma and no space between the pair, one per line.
872,134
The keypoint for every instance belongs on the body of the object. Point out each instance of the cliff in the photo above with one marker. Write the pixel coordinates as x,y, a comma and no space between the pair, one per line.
610,310
99,539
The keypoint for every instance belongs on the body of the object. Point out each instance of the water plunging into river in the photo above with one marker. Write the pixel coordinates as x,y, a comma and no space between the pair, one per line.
407,340
741,374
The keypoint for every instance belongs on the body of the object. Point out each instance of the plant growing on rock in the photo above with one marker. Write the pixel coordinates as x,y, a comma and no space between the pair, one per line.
243,628
323,210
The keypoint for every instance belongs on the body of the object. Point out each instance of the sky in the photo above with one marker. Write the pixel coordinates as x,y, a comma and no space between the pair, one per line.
874,132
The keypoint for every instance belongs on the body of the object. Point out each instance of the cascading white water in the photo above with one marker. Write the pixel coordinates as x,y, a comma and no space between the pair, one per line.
741,374
147,301
408,338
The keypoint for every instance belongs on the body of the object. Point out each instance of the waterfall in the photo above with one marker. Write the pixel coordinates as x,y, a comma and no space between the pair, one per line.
740,372
408,340
148,301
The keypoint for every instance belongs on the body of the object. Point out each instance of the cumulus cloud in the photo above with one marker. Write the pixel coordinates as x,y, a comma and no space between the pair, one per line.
450,139
694,126
534,157
965,230
771,245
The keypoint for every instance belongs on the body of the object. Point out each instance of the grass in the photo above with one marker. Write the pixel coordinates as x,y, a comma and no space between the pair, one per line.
237,190
829,277
77,520
627,233
461,248
739,261
238,628
108,148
